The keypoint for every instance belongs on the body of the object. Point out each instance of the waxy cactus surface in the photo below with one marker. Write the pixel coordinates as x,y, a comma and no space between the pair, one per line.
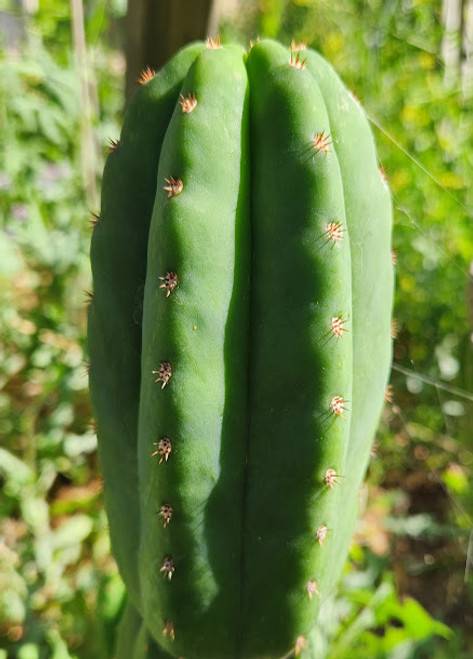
239,338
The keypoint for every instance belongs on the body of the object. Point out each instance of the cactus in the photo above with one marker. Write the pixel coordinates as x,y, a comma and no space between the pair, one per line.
239,338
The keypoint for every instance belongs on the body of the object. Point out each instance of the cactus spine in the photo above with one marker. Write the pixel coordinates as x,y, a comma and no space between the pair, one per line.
235,425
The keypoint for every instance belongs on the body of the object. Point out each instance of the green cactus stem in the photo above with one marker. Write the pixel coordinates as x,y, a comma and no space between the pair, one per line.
237,406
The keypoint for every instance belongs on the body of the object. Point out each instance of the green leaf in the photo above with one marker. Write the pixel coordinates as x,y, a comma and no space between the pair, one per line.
17,474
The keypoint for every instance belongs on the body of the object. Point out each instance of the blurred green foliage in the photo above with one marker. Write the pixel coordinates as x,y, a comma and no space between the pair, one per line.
59,591
407,588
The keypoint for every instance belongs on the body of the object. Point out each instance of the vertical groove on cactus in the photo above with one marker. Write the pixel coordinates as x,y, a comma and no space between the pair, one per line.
253,388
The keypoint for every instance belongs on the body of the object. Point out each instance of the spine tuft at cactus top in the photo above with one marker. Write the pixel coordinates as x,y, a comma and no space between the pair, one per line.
240,346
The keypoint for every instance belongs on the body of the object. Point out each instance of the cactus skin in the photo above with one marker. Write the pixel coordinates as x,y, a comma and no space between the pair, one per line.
264,358
134,640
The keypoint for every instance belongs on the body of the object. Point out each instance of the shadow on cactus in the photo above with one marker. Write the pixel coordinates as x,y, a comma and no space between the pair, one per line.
239,337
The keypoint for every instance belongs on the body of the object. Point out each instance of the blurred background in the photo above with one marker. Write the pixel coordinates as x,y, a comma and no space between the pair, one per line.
66,70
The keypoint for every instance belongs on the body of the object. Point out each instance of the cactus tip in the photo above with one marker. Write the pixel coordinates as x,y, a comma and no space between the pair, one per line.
296,62
298,46
213,44
146,75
